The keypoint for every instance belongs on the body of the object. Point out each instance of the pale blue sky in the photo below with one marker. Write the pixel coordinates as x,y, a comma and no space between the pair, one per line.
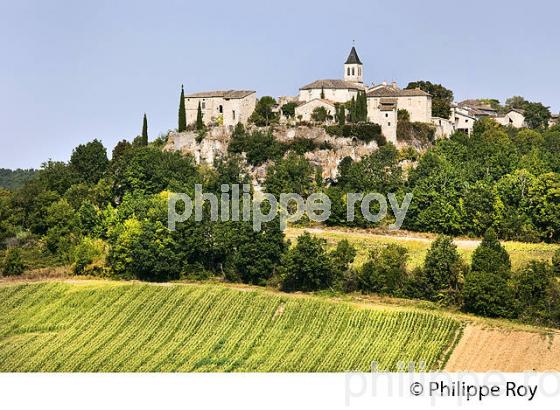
71,71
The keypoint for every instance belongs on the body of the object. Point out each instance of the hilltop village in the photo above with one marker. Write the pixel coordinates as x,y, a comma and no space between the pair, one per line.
319,104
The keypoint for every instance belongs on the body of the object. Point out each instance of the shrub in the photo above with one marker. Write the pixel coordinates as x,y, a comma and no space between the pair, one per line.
364,131
13,262
535,290
88,257
490,256
319,114
443,267
385,271
556,263
307,266
488,294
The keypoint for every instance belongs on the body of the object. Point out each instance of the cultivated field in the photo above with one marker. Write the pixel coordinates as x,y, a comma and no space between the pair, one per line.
93,326
419,243
482,349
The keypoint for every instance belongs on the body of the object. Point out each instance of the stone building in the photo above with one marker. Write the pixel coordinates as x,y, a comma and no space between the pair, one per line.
418,103
514,118
338,91
305,109
383,111
553,120
221,107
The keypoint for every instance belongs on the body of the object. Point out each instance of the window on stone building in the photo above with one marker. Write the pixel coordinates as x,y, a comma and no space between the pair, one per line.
221,109
386,115
203,105
233,114
352,70
348,71
388,124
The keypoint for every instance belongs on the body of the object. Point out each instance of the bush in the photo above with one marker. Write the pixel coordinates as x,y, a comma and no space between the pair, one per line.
307,266
535,290
319,114
490,256
488,294
556,263
385,271
443,267
364,131
88,257
144,250
13,262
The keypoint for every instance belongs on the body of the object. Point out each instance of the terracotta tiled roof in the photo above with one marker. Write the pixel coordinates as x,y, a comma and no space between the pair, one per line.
387,104
222,94
323,100
333,84
390,91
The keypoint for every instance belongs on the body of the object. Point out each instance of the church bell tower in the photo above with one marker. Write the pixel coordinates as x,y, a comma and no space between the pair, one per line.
353,68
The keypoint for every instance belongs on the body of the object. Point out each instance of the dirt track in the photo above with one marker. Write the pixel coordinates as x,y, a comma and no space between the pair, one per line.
481,350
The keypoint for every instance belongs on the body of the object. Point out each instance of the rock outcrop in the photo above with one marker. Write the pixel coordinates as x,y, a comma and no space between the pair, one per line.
215,142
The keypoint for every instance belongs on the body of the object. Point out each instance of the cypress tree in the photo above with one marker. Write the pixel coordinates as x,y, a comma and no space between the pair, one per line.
199,123
341,114
145,130
322,93
182,112
353,110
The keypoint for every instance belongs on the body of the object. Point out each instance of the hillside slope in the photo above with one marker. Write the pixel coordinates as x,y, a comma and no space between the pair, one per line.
92,326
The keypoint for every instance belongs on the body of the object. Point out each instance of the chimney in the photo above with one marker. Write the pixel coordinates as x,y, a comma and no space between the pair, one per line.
394,85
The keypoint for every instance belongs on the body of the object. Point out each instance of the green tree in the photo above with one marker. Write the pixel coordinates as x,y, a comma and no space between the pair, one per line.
145,130
319,114
488,294
90,161
441,97
13,262
443,267
385,270
322,93
182,121
151,171
307,266
340,114
264,113
290,174
490,256
145,250
533,285
289,109
63,228
199,120
556,263
536,114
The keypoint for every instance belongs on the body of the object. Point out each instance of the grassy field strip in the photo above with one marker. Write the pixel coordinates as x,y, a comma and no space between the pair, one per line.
103,326
418,245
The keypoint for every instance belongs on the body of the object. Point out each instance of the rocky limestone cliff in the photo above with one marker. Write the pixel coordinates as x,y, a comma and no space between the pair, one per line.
215,143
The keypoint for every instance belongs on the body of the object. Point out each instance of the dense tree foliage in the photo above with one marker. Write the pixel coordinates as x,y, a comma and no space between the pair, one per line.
441,97
15,179
264,113
90,161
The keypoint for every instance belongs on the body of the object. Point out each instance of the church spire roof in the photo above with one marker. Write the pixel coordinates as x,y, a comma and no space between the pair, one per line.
353,57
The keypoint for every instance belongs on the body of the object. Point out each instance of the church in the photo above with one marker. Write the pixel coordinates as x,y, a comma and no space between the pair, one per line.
383,100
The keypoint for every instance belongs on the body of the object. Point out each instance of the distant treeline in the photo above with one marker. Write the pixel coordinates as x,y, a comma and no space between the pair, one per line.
14,179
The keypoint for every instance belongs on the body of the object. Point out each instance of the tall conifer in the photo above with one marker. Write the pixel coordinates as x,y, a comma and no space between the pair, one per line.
182,126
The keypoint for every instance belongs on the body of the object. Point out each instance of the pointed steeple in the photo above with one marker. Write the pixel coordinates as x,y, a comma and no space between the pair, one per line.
353,57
